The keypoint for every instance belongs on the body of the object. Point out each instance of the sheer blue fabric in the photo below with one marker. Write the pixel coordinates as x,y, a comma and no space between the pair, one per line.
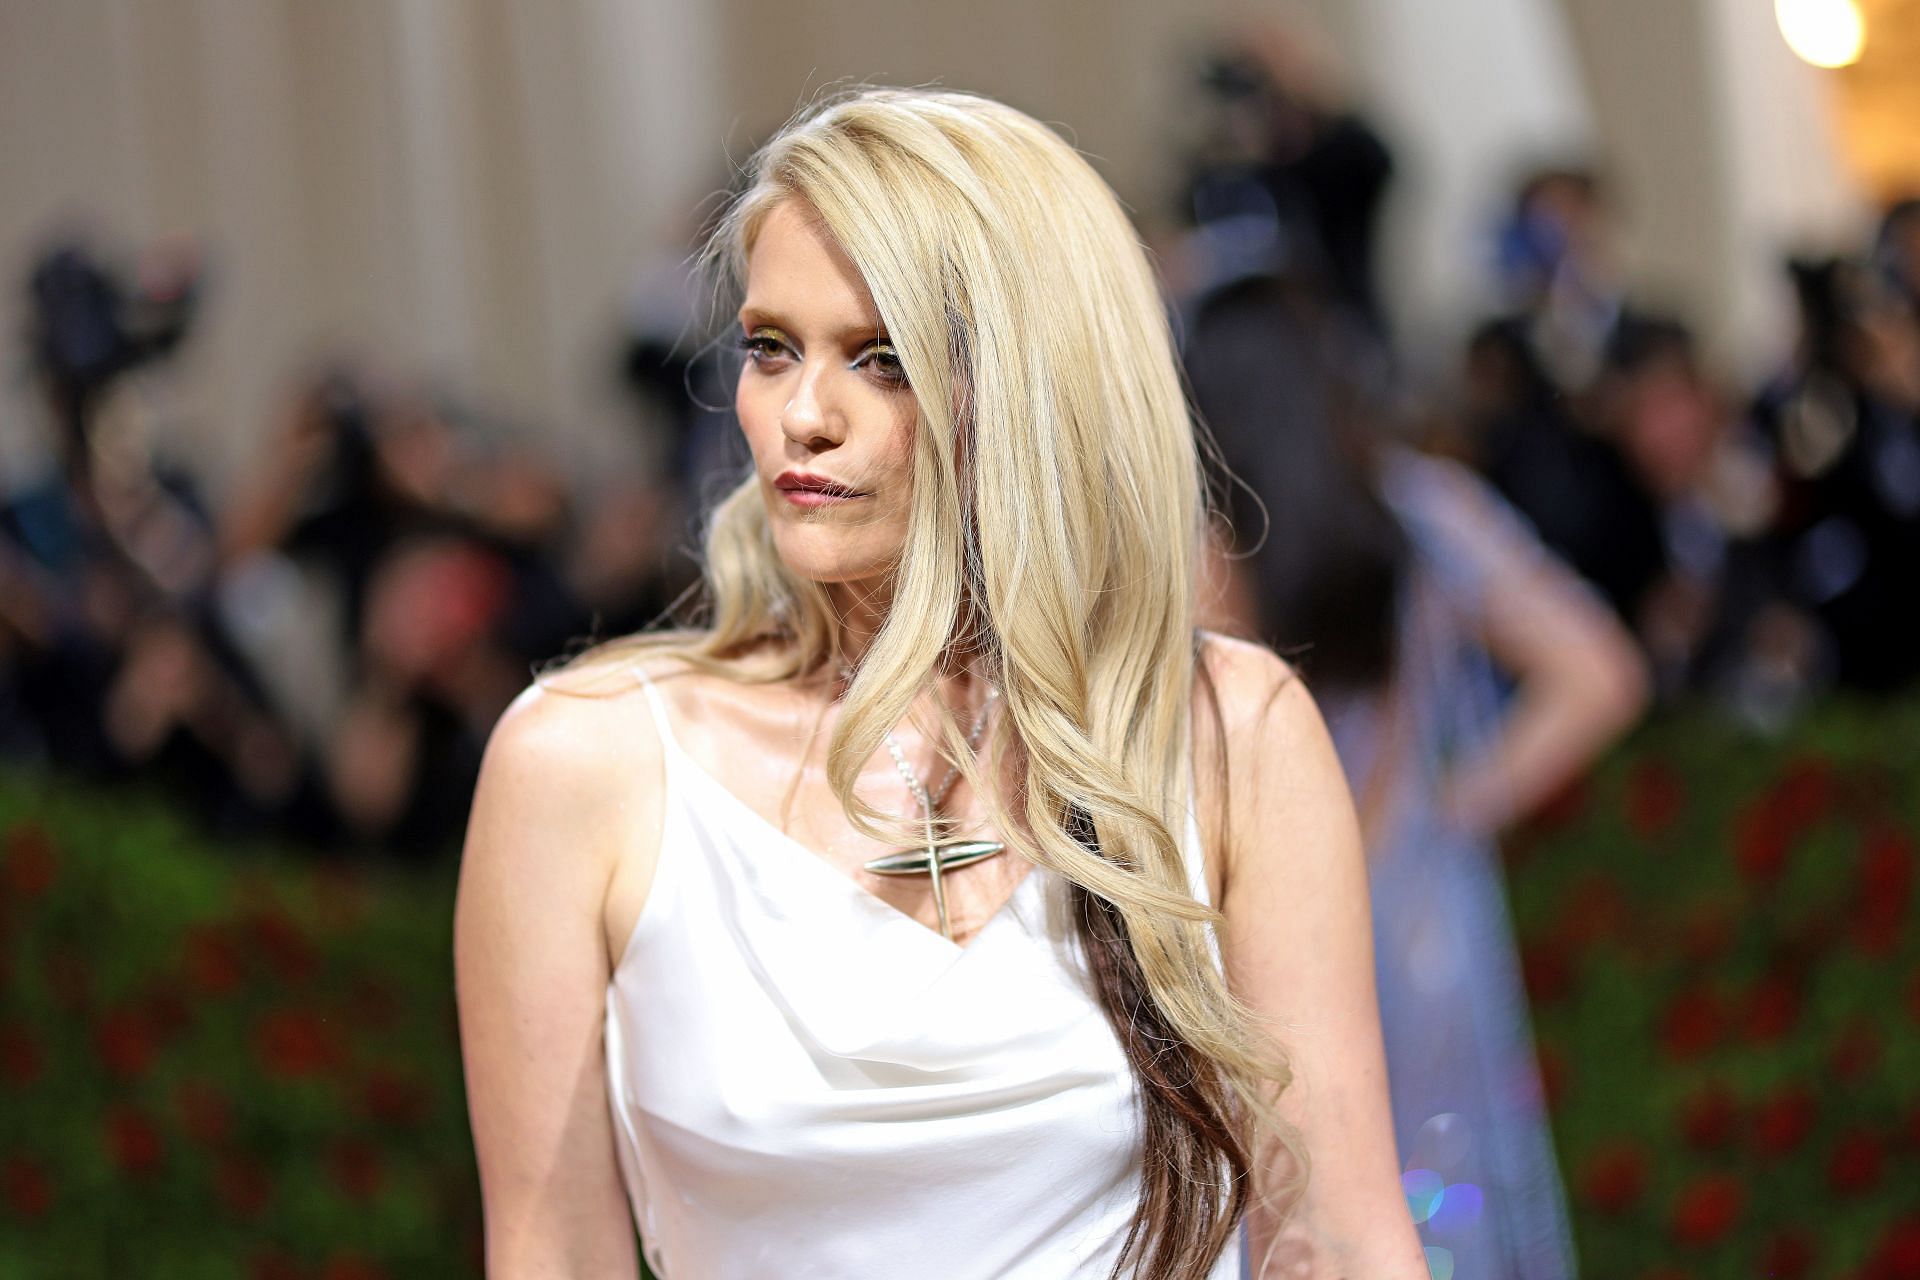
1467,1106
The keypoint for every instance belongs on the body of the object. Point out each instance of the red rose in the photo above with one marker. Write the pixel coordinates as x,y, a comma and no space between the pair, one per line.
125,1043
24,1184
1877,927
1707,1209
70,978
1898,1254
242,1186
213,961
204,1114
1886,863
1803,794
271,933
1772,1010
1654,798
1782,1122
1546,970
1760,844
348,1267
1614,1177
356,1168
22,1060
1564,807
1692,1024
133,1141
1709,1117
1555,1076
374,1002
1886,889
294,1043
340,891
1787,1255
274,1265
1857,1052
29,865
1594,911
165,1010
391,1098
1805,943
1705,934
1856,1163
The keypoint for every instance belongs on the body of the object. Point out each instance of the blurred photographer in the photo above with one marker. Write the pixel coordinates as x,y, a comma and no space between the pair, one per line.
1844,424
115,658
429,553
1289,176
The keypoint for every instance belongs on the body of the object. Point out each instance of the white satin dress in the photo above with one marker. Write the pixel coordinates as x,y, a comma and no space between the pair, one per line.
805,1082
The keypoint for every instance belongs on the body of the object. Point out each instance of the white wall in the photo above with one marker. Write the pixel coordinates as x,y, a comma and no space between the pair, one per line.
1786,187
466,186
1718,139
1471,92
452,186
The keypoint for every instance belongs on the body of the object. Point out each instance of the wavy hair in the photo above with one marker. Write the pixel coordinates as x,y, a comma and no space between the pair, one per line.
1053,541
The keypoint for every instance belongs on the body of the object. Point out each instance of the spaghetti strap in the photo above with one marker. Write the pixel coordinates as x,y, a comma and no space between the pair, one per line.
658,706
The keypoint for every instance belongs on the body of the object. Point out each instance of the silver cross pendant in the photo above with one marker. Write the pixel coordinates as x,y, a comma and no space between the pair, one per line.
935,860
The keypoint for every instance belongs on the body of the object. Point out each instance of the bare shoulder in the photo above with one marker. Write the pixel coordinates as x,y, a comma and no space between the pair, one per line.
1258,694
1243,662
1268,749
565,774
569,732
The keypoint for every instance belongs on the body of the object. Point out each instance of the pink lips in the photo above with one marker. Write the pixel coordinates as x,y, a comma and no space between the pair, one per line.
804,489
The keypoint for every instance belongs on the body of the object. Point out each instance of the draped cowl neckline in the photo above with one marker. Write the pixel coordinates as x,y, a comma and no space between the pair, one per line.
806,1081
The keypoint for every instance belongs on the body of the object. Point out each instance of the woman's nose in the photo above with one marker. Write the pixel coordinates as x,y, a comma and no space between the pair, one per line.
809,418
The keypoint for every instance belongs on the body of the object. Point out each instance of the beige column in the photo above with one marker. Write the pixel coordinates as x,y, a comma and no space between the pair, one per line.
1786,186
1718,140
1470,93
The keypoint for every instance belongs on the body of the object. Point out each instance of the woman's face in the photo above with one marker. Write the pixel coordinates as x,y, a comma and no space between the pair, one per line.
825,407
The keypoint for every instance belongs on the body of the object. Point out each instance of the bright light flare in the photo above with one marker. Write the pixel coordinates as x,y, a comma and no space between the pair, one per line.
1827,33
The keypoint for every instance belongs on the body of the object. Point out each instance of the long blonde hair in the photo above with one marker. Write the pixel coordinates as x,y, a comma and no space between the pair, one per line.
1053,541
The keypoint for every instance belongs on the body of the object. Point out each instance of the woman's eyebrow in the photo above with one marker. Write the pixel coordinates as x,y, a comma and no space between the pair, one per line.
753,317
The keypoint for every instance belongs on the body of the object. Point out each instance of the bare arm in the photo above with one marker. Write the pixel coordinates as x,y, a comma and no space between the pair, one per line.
560,791
1582,683
1298,949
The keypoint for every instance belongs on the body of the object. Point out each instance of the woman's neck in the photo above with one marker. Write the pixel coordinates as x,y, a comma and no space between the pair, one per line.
860,609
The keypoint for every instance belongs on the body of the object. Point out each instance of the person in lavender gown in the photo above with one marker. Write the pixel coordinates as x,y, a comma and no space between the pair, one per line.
1466,674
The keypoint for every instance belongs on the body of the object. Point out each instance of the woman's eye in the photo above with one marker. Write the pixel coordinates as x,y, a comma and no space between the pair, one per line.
762,348
884,362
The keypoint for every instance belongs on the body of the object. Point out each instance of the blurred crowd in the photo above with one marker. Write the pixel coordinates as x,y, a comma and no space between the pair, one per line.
320,652
1488,575
1752,538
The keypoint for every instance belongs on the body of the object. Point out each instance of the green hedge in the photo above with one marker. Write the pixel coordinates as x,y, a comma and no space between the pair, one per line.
221,1063
235,1063
1717,937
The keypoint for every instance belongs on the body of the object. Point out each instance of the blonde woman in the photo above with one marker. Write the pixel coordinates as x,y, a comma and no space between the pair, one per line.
948,906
